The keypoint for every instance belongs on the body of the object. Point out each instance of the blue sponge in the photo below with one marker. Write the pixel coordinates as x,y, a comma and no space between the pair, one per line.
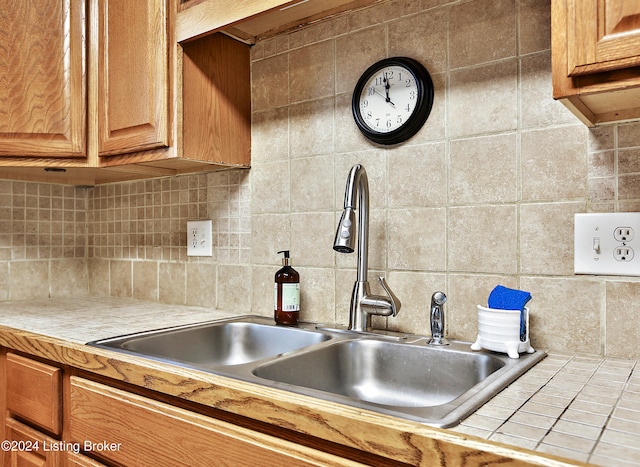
504,298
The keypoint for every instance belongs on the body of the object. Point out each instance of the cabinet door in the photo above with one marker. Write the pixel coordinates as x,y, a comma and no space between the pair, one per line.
42,79
30,448
34,392
132,76
141,431
603,35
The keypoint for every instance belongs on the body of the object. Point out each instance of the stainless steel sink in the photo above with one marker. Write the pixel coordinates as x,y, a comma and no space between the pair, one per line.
407,378
439,386
385,373
217,344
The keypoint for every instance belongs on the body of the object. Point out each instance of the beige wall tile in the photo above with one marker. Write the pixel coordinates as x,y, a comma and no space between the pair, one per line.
423,37
535,25
537,103
482,31
29,280
354,54
311,74
234,288
145,280
546,238
312,184
120,278
565,314
312,238
418,176
270,234
554,163
484,170
417,239
317,300
623,328
271,187
172,282
69,277
201,284
268,83
483,99
270,136
481,239
310,128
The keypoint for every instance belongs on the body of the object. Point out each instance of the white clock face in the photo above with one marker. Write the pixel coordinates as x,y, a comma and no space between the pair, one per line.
388,99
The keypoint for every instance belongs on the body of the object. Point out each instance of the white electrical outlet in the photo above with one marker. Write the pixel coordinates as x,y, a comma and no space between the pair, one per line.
200,238
607,243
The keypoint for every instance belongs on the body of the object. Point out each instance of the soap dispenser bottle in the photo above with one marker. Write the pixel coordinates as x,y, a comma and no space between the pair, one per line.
287,293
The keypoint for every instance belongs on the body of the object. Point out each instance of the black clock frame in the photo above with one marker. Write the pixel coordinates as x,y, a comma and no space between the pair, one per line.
423,104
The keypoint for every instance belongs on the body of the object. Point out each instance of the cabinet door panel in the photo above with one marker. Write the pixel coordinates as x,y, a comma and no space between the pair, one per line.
604,35
33,449
34,392
133,75
147,432
42,81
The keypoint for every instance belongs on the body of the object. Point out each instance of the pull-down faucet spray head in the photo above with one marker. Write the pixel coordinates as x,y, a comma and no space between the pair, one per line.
345,240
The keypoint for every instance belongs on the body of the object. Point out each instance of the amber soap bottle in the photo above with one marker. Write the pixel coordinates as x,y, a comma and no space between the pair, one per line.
287,293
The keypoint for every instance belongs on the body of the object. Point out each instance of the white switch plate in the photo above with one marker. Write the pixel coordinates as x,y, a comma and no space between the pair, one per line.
607,243
200,238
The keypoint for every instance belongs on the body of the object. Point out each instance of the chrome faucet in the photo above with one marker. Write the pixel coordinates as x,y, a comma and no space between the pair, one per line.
436,319
363,303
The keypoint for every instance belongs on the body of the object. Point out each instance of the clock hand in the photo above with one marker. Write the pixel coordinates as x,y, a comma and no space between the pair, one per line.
387,86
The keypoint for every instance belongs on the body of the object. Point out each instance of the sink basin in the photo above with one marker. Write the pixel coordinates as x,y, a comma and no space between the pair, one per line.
216,344
397,375
384,372
435,385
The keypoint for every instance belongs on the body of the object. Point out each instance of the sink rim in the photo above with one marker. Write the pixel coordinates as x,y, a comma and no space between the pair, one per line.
116,343
441,416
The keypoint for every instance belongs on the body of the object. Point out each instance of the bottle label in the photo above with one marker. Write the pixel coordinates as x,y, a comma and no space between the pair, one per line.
290,297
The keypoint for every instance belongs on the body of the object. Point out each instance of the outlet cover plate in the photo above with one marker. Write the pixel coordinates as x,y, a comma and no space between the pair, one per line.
200,238
607,243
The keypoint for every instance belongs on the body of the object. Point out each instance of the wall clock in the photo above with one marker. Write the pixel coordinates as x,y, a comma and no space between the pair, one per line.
392,100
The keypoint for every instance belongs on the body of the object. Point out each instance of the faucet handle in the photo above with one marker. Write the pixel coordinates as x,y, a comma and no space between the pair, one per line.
395,302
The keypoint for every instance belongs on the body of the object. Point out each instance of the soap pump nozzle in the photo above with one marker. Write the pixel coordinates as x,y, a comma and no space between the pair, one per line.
285,258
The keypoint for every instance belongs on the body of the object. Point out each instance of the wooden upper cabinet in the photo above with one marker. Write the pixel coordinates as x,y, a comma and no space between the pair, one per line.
604,35
596,58
132,76
42,81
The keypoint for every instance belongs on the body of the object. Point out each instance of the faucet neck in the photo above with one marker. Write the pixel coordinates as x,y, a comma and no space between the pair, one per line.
358,184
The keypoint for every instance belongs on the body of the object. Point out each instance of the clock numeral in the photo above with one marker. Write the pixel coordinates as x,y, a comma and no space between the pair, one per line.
399,120
412,95
371,91
407,83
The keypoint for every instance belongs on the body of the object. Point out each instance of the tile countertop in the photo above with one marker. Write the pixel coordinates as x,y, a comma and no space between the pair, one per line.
584,408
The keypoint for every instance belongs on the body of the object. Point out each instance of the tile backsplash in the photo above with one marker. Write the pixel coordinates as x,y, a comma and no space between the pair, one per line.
483,195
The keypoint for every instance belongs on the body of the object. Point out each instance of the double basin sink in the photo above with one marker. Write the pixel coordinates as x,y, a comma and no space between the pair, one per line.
397,375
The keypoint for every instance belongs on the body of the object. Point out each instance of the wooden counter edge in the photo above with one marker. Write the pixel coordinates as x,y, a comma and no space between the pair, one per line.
397,439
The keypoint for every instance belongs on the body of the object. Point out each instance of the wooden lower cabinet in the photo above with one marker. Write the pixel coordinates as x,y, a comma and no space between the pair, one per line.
34,392
55,416
26,447
129,429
